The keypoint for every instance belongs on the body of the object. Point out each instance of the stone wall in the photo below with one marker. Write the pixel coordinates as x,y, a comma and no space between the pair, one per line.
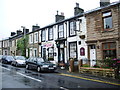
95,30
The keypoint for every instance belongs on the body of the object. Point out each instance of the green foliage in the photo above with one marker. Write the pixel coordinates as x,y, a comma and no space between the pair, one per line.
22,45
86,65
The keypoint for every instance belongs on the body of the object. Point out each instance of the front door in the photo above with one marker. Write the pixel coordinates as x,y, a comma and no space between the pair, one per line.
61,55
44,53
92,55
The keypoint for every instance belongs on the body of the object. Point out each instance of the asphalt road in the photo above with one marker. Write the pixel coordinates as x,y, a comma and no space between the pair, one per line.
17,77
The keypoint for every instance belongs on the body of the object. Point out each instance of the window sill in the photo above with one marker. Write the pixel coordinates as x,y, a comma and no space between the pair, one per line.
72,35
107,30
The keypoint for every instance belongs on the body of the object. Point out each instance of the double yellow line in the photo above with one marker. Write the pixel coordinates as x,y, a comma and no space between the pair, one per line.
89,79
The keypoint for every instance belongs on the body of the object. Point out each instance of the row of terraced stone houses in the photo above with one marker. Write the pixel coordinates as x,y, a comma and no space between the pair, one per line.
94,34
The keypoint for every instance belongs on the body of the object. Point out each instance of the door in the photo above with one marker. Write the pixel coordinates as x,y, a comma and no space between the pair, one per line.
44,53
61,55
92,55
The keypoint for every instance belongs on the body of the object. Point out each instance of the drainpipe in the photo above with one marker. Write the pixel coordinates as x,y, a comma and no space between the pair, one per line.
66,43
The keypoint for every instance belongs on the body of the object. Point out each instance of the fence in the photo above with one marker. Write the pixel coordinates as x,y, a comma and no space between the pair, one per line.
106,64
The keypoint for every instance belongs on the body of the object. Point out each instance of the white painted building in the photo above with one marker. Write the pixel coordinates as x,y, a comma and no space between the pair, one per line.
59,42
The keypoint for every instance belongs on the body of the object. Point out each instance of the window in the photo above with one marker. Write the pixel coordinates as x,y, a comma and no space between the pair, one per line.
82,51
72,28
43,35
109,50
50,33
36,37
60,31
31,38
73,50
51,54
35,52
107,20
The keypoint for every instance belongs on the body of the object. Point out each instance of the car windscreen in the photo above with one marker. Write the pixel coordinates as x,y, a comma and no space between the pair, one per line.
10,58
39,60
1,56
19,58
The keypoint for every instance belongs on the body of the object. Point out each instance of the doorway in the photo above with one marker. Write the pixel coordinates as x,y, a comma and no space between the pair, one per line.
92,55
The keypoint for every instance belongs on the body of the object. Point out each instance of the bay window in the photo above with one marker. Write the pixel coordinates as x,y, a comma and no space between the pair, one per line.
109,50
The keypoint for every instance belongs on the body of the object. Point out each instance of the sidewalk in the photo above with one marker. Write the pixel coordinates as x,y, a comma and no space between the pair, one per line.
90,76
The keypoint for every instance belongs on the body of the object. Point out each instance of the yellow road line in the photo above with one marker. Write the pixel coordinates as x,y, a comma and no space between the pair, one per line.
89,79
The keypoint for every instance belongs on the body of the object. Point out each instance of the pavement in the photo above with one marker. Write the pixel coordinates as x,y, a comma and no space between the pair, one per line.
91,77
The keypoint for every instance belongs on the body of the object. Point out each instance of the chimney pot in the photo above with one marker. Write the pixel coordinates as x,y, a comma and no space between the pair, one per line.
77,4
59,17
104,3
13,33
78,10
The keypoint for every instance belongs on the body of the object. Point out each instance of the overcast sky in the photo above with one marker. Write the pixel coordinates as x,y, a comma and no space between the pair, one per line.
17,13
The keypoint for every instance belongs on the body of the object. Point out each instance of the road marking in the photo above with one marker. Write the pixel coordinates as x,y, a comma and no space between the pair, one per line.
29,77
64,88
24,75
89,79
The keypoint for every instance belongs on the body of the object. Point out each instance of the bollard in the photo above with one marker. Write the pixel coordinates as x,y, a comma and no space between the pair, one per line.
80,64
71,67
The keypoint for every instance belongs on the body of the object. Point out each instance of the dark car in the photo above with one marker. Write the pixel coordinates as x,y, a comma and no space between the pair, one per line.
1,58
7,59
40,64
19,61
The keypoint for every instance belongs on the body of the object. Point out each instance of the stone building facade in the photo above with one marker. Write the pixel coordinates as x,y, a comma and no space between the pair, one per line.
103,32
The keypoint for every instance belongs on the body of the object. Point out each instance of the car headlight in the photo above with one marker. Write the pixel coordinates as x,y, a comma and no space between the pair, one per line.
45,66
54,66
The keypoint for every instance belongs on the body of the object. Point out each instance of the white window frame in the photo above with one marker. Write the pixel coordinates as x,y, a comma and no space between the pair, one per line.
43,35
72,27
50,33
61,31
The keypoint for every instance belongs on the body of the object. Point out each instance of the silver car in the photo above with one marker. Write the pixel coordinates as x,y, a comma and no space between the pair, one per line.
19,61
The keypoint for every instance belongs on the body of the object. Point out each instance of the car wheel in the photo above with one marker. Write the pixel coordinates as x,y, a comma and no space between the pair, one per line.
16,64
12,64
27,66
38,69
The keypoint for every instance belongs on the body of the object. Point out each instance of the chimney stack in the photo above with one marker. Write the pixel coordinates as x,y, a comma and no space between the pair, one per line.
78,10
35,27
13,33
59,17
19,32
104,3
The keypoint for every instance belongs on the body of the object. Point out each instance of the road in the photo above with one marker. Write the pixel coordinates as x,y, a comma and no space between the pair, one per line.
17,77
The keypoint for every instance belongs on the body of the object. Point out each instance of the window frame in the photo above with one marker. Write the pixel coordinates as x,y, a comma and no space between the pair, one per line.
36,36
61,31
43,39
50,36
50,53
73,28
107,16
109,48
76,50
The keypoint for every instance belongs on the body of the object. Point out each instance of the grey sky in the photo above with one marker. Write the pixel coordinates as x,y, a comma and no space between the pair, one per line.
17,13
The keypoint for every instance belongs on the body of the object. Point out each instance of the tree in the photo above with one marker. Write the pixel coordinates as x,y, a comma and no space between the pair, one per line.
22,45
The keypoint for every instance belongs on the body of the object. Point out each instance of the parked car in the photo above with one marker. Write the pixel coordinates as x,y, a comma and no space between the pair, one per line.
1,58
7,59
19,61
40,64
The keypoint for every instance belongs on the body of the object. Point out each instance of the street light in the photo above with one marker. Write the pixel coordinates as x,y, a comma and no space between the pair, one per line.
24,30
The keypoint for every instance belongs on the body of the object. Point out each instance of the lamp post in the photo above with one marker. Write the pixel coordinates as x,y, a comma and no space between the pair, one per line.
24,31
